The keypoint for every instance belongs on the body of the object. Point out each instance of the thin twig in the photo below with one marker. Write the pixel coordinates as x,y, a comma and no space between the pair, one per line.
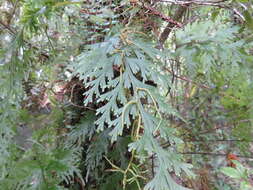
161,15
48,38
220,4
7,28
220,140
215,154
14,9
188,80
73,104
211,3
214,129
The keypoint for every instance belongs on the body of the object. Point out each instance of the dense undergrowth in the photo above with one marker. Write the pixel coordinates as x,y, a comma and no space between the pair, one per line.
110,95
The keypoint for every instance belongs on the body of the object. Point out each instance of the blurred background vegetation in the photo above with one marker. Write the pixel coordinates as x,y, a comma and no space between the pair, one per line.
130,94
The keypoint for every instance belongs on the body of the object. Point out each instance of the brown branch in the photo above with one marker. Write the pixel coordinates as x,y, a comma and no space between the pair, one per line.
214,129
14,10
73,104
216,154
220,4
187,79
164,17
80,182
221,140
180,12
177,16
86,11
167,144
196,2
7,28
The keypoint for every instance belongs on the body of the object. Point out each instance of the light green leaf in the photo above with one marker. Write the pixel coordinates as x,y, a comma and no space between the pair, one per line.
231,172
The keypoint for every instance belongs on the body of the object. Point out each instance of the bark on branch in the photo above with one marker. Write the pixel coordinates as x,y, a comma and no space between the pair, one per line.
177,16
216,154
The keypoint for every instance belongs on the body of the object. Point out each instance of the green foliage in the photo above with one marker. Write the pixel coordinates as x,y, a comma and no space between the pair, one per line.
42,168
240,174
209,47
34,11
122,92
83,131
89,101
